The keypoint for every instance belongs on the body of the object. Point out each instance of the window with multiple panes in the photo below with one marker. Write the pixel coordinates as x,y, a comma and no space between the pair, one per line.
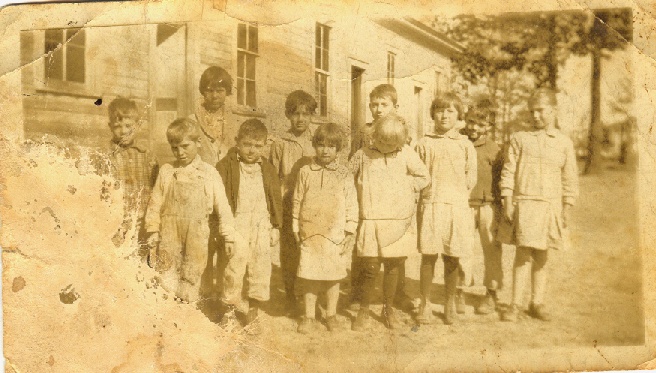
65,60
246,57
390,67
322,67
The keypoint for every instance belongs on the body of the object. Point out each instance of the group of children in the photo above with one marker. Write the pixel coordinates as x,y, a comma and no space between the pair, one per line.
212,225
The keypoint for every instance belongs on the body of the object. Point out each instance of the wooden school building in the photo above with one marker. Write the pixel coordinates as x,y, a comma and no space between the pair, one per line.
71,73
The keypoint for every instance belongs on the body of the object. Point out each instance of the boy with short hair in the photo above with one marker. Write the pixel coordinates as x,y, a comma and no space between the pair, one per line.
539,184
253,192
133,165
485,202
382,102
185,194
288,154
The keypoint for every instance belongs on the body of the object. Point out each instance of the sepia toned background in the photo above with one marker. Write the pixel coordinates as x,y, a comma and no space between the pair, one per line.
66,62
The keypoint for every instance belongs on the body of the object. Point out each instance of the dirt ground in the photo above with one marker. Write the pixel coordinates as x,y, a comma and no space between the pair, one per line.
594,296
74,302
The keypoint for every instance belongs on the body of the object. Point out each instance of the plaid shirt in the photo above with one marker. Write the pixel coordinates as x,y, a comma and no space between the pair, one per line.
135,169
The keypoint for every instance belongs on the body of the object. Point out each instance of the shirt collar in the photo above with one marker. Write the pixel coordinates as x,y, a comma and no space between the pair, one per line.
332,166
448,135
373,147
197,163
305,136
552,132
115,148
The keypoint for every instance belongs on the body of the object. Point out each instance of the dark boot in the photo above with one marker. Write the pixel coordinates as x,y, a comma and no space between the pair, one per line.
389,317
451,277
361,321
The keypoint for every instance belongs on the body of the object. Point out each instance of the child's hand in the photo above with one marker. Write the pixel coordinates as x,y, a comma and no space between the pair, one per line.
275,237
153,239
347,243
566,215
229,249
509,209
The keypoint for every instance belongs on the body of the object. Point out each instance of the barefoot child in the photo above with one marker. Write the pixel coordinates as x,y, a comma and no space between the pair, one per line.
445,221
539,184
485,204
325,214
133,166
185,194
288,155
253,192
388,175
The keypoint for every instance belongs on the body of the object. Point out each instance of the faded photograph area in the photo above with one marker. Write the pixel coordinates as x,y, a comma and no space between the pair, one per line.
296,188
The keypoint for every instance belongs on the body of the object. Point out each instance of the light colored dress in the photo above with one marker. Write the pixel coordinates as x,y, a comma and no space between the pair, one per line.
540,173
445,219
325,207
179,207
387,186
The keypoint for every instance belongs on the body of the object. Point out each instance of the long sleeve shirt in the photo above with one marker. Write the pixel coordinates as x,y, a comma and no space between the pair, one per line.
288,155
325,202
540,165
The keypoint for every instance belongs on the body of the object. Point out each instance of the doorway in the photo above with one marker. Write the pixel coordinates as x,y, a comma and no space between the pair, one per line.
357,104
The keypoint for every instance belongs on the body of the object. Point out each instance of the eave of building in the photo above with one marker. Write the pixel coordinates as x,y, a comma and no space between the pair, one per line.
422,34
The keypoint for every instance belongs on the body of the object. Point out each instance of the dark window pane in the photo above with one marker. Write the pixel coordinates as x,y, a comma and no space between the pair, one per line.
55,36
54,65
51,45
240,64
250,67
75,36
326,33
325,60
317,57
324,106
240,91
252,39
250,93
317,35
241,36
75,64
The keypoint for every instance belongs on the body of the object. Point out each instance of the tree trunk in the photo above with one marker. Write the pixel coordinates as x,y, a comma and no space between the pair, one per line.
594,161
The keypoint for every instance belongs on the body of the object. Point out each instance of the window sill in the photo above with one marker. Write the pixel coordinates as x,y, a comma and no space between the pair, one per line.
248,111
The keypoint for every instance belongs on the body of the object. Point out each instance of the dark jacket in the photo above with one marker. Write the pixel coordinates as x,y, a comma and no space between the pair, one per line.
228,168
490,162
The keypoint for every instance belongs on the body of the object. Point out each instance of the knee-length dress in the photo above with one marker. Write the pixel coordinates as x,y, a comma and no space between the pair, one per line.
324,208
387,186
445,219
540,174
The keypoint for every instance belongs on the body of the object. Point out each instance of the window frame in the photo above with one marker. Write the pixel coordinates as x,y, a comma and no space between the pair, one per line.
65,47
322,67
391,67
247,54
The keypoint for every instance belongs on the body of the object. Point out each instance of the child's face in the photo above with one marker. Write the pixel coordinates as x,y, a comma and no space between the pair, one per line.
300,119
185,151
445,119
381,106
124,129
214,98
325,154
385,146
544,115
475,130
250,149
